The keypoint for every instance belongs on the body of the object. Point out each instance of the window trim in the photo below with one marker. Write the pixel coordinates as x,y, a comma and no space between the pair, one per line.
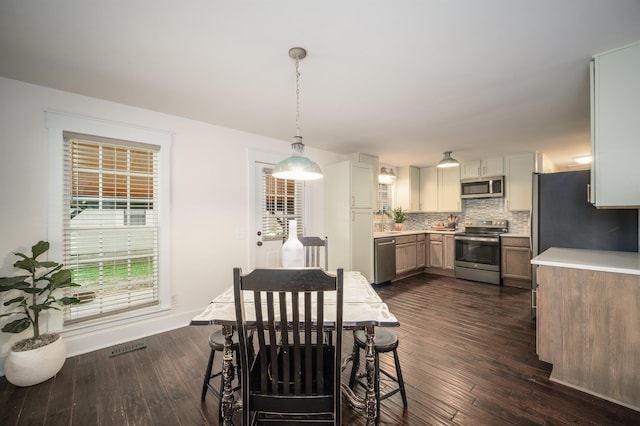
57,123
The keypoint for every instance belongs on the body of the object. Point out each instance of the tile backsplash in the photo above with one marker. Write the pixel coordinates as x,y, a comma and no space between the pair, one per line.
472,209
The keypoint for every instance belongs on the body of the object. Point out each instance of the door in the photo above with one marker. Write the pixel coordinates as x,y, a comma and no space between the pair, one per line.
276,201
268,249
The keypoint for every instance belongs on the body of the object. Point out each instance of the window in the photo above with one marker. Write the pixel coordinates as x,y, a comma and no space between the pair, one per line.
283,200
111,224
385,195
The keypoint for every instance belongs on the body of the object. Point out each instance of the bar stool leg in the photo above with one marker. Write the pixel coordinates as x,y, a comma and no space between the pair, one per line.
376,385
396,359
207,375
355,366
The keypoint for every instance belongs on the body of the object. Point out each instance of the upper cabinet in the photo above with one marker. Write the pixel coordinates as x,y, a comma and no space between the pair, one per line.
486,167
408,188
615,128
359,157
362,194
440,189
518,170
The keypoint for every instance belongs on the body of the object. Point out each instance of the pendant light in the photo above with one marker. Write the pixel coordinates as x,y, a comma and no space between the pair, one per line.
297,166
386,176
448,161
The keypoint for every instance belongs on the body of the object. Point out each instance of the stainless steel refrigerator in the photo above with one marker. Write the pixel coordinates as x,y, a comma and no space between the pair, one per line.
563,217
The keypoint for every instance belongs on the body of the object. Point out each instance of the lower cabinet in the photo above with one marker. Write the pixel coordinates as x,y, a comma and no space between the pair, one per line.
449,252
410,253
435,251
442,254
516,262
421,250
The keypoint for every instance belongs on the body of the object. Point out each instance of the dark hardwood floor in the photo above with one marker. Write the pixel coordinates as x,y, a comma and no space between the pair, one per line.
467,352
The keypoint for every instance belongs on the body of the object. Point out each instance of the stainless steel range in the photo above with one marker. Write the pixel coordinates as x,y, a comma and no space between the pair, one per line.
478,250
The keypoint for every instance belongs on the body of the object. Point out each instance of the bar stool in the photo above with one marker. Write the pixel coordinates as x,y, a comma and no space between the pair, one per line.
385,341
216,342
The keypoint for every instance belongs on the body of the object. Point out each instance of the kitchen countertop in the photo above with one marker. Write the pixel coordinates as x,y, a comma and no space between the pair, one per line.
420,231
515,235
595,260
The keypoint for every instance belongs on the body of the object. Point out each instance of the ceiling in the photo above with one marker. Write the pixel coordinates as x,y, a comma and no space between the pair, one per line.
405,80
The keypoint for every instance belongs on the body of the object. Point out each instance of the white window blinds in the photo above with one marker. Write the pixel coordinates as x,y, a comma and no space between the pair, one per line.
283,200
110,225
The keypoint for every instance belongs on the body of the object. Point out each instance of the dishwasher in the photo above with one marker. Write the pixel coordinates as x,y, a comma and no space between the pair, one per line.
384,252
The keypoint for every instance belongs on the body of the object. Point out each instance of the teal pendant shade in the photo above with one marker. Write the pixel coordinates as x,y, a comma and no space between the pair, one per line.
448,161
297,166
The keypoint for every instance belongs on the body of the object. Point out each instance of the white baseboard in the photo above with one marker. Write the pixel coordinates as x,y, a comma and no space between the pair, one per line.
81,343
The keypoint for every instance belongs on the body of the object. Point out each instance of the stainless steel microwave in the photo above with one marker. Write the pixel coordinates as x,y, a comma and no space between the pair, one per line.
482,187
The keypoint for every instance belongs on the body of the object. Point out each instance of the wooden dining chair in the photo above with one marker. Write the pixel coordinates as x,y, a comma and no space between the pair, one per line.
316,252
295,376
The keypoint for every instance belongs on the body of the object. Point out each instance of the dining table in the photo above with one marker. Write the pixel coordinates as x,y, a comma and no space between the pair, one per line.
363,309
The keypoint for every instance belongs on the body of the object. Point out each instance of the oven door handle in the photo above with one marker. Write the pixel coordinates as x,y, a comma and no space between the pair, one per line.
481,239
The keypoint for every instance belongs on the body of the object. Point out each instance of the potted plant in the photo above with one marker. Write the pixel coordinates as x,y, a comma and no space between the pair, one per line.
40,357
399,216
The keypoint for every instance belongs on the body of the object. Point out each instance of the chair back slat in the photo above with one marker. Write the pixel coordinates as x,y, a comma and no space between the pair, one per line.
261,339
290,307
315,249
284,345
297,355
320,367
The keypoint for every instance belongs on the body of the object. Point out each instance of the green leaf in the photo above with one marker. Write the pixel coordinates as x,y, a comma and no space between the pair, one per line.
17,326
13,283
60,278
69,300
39,248
26,264
31,290
46,264
14,300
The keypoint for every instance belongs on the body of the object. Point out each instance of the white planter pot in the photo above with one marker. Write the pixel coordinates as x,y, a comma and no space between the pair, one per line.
29,368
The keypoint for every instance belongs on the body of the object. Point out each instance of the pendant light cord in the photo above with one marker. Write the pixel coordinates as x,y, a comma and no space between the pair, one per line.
297,98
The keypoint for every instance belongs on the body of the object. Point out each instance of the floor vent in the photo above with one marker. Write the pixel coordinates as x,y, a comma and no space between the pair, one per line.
127,347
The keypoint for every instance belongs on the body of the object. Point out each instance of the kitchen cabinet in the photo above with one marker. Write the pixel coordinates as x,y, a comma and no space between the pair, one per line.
519,181
429,189
448,252
359,157
441,254
440,189
435,251
408,188
405,254
410,253
421,250
486,167
587,321
516,262
348,216
615,128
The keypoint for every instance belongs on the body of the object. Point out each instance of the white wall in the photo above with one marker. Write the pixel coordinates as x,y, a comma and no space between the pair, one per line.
206,212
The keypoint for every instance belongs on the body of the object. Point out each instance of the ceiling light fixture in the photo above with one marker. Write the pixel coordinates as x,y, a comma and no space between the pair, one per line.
297,166
386,176
448,161
584,159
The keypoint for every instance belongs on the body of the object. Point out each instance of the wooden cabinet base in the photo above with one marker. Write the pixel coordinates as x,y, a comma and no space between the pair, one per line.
587,327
